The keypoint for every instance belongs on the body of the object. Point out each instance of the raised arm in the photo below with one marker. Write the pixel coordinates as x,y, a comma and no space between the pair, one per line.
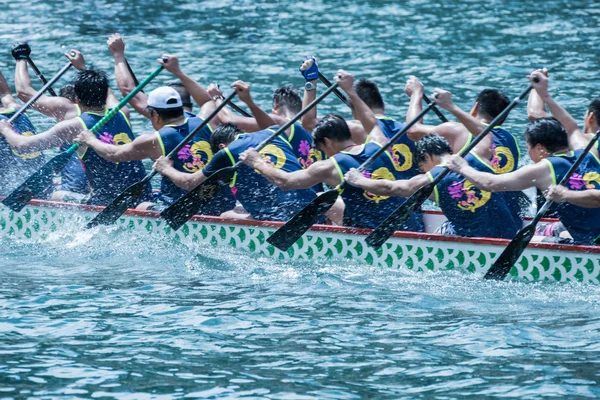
61,133
263,120
226,116
385,187
444,100
310,72
532,175
125,80
144,146
6,97
535,104
321,171
196,90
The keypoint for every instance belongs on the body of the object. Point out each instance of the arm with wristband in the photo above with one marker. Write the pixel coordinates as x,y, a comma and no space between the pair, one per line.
310,71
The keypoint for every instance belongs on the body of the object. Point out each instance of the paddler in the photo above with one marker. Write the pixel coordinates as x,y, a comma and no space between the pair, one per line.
73,186
332,136
107,179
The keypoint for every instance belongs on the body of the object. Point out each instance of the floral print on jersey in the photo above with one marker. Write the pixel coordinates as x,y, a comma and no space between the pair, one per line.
309,154
467,196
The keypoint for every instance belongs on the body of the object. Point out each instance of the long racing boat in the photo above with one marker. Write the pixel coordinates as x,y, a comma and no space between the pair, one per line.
415,251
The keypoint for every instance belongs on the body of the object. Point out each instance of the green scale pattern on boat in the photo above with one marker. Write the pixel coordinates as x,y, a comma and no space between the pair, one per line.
37,223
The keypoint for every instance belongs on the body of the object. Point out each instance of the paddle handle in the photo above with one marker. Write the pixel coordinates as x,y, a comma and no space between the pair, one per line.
496,121
240,110
435,109
285,126
112,112
40,92
40,76
339,94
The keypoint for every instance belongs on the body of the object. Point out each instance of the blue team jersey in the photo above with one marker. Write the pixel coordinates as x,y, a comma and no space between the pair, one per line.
108,179
364,209
471,211
582,223
303,147
16,167
191,158
263,200
73,175
402,151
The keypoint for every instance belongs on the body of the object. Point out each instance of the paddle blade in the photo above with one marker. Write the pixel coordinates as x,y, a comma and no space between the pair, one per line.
511,254
118,206
392,223
289,233
193,201
36,183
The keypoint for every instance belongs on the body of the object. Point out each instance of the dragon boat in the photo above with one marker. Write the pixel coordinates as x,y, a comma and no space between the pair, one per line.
415,251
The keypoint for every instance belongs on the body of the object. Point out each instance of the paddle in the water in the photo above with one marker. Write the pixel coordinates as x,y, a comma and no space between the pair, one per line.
129,196
19,197
517,246
183,209
289,233
378,237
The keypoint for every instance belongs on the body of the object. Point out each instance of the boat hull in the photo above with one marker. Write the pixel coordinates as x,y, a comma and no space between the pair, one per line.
414,251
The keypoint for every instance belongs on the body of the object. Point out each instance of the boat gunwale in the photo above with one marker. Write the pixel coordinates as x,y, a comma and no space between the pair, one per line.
572,248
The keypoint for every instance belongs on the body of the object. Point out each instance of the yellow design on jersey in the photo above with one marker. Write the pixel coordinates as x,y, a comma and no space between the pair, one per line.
29,156
592,180
198,149
380,173
473,201
121,138
399,152
502,161
274,156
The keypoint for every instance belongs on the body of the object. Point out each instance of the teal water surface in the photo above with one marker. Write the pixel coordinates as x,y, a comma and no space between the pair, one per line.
117,315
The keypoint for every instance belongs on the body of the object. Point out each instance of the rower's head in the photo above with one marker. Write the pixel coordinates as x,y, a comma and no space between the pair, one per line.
287,101
68,92
591,120
430,150
331,134
489,104
368,92
544,137
91,88
223,135
186,99
164,106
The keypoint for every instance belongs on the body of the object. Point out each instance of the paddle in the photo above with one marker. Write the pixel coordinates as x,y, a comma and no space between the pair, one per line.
414,202
289,233
127,198
19,197
516,247
40,92
183,209
343,98
40,76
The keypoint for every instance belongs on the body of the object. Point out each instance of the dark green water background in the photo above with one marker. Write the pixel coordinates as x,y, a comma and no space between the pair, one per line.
122,316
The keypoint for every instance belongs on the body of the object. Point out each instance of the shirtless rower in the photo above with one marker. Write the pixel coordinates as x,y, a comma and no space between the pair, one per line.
332,136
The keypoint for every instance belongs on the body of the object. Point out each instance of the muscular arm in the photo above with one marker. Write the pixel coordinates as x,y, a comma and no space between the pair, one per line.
321,171
196,90
309,120
126,85
263,120
583,198
384,187
61,133
6,97
246,124
533,175
367,119
577,139
144,146
472,124
535,106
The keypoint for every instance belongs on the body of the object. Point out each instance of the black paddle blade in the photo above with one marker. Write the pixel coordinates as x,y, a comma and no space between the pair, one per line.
36,183
188,205
118,206
288,234
511,254
391,224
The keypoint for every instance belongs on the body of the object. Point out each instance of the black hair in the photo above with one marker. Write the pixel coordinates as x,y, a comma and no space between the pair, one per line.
68,92
594,108
368,92
549,133
91,87
183,93
289,98
331,126
224,134
432,144
492,102
167,113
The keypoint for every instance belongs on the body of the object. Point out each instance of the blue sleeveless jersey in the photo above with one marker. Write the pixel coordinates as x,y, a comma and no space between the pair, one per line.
471,211
303,147
364,209
402,151
108,179
15,167
191,158
582,223
73,177
263,200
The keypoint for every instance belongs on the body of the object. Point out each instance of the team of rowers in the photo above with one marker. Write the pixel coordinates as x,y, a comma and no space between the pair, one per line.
482,196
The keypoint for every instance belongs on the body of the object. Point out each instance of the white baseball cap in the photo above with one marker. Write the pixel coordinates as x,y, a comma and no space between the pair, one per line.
164,97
